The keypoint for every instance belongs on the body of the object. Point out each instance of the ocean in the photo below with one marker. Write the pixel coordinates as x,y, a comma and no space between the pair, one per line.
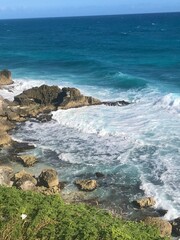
126,57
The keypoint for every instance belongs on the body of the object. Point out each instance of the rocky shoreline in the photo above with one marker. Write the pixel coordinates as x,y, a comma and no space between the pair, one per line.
37,103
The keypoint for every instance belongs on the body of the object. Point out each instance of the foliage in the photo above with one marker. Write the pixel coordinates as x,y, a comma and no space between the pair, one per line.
49,218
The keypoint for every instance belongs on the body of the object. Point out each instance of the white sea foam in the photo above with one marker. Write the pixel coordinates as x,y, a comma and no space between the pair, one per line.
19,85
170,102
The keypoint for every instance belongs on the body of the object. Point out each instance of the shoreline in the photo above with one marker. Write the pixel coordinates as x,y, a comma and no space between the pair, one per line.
36,111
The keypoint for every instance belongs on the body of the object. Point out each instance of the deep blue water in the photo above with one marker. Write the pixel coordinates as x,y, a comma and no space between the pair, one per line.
93,50
131,57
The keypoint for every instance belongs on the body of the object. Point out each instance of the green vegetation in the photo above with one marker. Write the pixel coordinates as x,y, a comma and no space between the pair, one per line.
49,218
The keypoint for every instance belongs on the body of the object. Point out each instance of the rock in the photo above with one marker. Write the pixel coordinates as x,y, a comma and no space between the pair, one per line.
116,103
86,185
145,202
48,178
43,95
99,174
164,226
27,160
44,117
48,191
5,175
5,139
5,77
72,98
18,147
24,181
176,226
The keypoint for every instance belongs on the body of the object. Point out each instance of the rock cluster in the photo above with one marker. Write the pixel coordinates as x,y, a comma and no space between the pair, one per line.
47,182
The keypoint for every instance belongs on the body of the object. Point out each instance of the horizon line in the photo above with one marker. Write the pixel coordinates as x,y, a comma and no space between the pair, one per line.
95,15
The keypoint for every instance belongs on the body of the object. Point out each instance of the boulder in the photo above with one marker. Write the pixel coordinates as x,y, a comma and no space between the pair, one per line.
27,160
72,98
86,185
145,202
24,181
43,95
5,77
5,175
164,227
176,226
48,178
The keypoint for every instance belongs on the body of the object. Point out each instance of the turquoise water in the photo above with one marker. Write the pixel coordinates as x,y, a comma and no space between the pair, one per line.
130,57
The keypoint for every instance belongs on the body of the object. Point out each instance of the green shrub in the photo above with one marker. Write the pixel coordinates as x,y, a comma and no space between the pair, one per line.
49,218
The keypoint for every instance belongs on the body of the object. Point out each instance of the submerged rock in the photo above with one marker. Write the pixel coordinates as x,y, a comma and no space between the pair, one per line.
5,77
27,160
164,226
86,185
145,202
48,178
99,174
116,103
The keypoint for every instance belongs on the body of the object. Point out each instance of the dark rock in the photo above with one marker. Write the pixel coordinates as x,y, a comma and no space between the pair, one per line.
86,185
176,226
161,212
5,77
44,117
164,226
48,178
43,95
99,174
116,103
17,147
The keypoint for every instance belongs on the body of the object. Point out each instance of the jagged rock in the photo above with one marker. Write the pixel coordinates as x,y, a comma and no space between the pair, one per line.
116,103
5,175
86,185
24,181
44,117
43,95
164,226
176,226
27,160
5,77
48,178
145,202
72,98
5,139
18,147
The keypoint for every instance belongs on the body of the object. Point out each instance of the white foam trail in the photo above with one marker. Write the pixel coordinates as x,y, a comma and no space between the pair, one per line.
170,102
